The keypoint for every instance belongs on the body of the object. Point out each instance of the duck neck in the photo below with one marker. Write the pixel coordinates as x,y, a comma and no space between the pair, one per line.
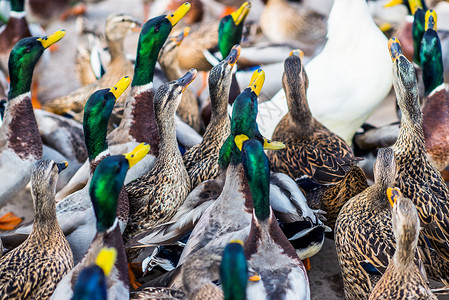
405,249
219,120
44,208
95,137
299,114
168,146
144,67
116,49
139,120
411,132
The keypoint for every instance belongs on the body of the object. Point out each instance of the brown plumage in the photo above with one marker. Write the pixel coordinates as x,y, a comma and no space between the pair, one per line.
201,161
436,127
188,109
417,178
314,155
403,279
155,197
117,26
285,22
32,270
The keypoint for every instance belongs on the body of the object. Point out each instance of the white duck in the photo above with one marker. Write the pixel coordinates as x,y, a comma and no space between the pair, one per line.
347,80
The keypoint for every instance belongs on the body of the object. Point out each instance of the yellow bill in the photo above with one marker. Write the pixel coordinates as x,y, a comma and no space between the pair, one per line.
297,52
272,145
106,259
257,81
240,14
236,242
178,14
393,194
395,48
254,278
49,40
239,140
120,87
431,20
137,154
393,3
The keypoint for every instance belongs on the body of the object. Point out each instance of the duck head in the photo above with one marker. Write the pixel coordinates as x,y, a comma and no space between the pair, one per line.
234,271
243,123
152,37
107,182
43,188
97,112
385,168
405,84
23,58
406,226
220,81
168,96
231,28
431,55
91,281
17,5
118,25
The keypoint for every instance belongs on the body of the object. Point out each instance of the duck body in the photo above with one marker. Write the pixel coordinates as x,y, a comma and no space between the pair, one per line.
314,155
403,279
32,270
336,105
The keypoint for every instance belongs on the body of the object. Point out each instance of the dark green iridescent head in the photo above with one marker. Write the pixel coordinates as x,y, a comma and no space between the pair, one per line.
91,284
97,111
234,272
105,187
231,28
23,58
152,37
257,171
431,59
417,33
243,121
17,5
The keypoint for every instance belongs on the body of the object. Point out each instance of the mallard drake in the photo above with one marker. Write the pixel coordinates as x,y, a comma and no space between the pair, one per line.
201,161
138,124
15,30
73,103
403,279
285,22
336,89
224,35
116,28
155,197
319,160
91,281
282,273
75,212
105,189
19,134
32,270
436,106
417,178
188,109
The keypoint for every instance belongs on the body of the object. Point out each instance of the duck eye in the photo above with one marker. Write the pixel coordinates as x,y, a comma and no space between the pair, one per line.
156,28
28,49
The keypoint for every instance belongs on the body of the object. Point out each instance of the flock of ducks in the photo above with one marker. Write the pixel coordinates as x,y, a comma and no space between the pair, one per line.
172,193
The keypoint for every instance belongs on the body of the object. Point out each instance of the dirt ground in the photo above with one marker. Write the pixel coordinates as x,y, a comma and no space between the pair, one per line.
59,78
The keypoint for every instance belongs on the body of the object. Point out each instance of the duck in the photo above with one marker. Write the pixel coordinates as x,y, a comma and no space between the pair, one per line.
15,30
75,212
19,135
155,197
402,278
91,281
89,47
418,179
201,161
117,26
336,89
283,22
436,106
224,35
138,124
269,253
318,159
188,109
111,170
33,269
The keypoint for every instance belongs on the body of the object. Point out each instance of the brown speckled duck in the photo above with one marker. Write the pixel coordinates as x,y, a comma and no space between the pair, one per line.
320,161
417,178
403,279
32,270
